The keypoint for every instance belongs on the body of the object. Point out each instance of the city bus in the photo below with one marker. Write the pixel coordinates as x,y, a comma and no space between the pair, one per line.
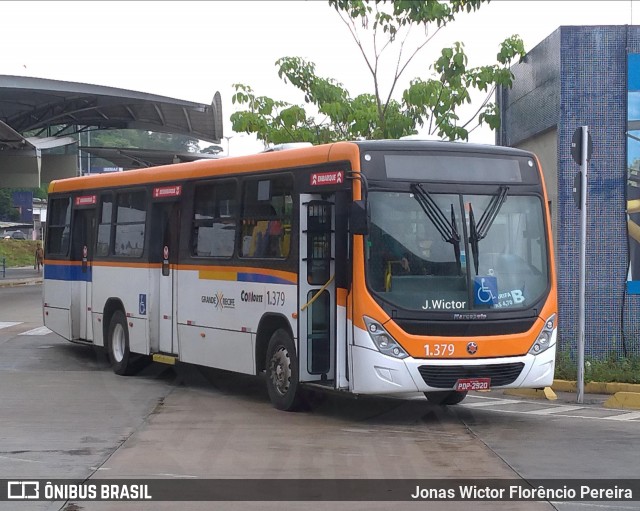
373,267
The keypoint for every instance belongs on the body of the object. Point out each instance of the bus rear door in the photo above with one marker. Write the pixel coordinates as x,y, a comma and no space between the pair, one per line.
83,224
163,286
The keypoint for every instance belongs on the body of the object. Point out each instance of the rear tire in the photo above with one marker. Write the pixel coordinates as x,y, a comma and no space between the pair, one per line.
118,345
282,372
446,398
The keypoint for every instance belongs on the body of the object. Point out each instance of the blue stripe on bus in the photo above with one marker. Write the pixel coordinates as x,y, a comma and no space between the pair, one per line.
259,277
67,272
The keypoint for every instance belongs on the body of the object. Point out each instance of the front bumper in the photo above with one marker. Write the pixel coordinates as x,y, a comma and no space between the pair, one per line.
375,373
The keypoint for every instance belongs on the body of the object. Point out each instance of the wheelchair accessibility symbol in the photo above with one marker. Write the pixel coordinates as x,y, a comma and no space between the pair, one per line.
142,305
485,291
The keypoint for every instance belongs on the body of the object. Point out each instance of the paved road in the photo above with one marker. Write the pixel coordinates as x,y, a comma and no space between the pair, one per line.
63,413
18,276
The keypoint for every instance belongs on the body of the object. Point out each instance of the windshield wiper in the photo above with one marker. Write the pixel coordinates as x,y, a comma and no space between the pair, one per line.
447,230
479,231
456,240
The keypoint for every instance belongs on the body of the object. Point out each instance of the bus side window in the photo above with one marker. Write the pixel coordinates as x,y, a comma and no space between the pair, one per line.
104,226
214,220
59,227
266,221
131,214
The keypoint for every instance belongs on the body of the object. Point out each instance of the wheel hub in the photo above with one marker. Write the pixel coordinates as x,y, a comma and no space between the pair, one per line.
281,370
117,343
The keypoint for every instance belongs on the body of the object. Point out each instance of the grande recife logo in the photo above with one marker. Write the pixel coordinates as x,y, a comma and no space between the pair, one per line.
327,178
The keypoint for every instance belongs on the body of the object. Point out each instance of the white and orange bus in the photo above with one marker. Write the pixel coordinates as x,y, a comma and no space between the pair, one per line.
378,267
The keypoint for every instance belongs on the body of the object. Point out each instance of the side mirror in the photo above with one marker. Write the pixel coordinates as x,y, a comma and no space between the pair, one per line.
359,218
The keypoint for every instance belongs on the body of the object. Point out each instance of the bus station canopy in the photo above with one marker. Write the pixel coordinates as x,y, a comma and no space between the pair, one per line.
134,158
39,114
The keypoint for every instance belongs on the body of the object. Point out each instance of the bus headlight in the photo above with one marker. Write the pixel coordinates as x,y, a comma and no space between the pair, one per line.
386,344
543,342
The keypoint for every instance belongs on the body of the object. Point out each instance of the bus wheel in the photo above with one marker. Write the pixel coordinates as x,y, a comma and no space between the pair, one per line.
449,397
282,371
118,344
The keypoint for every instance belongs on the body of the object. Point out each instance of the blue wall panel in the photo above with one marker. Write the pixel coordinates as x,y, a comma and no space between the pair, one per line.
592,88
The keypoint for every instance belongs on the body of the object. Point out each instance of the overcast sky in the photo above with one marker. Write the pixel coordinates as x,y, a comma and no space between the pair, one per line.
189,50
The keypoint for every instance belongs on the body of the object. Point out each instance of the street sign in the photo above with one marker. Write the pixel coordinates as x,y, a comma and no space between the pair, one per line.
576,146
577,190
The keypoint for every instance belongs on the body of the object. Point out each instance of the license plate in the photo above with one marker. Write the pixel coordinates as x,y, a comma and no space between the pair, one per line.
473,384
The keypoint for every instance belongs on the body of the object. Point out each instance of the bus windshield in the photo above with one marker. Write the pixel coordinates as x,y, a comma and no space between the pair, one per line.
441,252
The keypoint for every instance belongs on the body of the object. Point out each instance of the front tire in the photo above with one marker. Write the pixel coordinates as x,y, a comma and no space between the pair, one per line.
118,345
282,372
446,398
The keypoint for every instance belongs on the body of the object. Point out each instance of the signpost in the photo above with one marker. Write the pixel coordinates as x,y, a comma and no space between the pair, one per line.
581,150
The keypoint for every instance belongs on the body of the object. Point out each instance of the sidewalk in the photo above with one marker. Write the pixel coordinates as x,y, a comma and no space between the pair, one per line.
20,276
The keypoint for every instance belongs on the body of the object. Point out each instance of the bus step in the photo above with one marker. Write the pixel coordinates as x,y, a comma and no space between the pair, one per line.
164,359
325,384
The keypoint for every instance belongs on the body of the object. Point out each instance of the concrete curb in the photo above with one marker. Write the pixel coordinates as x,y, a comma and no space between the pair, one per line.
594,387
628,400
20,282
625,395
546,393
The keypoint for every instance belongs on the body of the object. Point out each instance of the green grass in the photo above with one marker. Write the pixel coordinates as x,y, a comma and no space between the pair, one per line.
17,252
612,369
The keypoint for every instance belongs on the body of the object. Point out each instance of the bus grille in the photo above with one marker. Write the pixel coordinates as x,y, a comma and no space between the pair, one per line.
445,377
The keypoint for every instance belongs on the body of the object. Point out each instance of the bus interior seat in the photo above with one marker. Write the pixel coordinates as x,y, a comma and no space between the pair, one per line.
266,233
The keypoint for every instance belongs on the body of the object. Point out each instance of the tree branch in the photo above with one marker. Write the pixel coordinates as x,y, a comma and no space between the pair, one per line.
489,94
404,67
352,30
433,109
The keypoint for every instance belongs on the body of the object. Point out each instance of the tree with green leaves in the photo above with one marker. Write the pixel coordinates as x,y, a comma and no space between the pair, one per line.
430,103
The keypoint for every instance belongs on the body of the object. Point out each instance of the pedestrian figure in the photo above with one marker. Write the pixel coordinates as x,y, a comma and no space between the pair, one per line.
39,258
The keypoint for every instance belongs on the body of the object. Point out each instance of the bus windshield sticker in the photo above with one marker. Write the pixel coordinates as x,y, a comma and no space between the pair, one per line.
512,298
485,291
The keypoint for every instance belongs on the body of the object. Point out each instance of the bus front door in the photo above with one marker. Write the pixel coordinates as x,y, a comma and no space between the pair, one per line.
84,221
317,315
164,243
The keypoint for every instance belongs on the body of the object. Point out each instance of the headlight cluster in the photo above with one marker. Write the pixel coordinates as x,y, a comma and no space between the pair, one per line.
543,342
383,340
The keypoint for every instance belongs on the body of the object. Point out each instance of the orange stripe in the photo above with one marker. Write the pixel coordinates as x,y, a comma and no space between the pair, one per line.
341,297
285,275
62,263
118,264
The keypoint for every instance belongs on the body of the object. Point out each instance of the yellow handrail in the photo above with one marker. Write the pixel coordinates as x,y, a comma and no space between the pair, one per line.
314,297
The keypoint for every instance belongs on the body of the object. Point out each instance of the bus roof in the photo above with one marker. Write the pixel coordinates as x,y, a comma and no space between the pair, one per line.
339,151
438,145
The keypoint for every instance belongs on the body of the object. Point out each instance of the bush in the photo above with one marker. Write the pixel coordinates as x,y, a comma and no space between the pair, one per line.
614,368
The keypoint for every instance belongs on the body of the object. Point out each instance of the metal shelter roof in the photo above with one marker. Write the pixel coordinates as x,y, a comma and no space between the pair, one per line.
133,158
52,108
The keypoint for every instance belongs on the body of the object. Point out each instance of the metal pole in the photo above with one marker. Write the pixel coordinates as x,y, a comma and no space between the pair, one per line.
583,259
